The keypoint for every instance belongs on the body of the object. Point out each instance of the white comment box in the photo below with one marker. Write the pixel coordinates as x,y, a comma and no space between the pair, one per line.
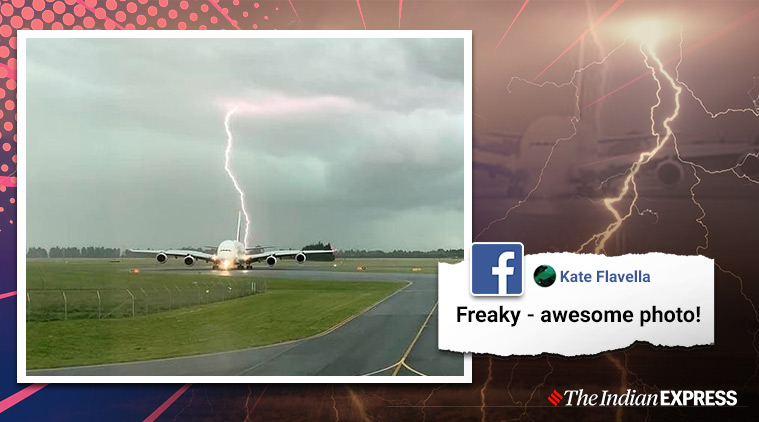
676,282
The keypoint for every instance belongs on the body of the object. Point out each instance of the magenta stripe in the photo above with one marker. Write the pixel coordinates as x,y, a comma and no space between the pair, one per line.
9,294
21,395
296,12
11,73
512,22
596,23
8,181
358,2
93,11
216,5
400,11
748,17
258,400
162,408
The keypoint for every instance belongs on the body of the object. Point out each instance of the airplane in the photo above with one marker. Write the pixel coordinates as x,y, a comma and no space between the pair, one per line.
668,170
591,165
232,254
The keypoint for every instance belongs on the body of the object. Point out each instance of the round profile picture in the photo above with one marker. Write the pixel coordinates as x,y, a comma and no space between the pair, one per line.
544,275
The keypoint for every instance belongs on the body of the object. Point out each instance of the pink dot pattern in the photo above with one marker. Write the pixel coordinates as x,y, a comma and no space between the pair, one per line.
103,15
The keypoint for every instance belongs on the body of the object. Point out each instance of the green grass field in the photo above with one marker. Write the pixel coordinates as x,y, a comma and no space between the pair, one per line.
290,309
59,289
62,273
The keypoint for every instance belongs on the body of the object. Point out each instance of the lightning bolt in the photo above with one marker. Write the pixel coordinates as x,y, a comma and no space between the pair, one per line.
356,400
623,380
655,67
334,404
249,411
525,405
695,167
247,408
600,239
228,168
734,170
485,387
424,402
421,404
189,403
587,31
511,379
756,315
210,405
574,121
629,185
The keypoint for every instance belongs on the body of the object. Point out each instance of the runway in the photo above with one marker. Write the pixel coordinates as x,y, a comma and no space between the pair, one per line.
397,336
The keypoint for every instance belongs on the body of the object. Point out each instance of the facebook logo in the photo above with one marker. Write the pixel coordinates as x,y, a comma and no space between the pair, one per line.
497,269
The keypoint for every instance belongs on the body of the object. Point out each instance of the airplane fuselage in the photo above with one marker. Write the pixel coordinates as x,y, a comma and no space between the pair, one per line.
230,254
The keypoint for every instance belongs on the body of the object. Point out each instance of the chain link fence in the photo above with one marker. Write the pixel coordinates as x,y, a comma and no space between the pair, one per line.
52,305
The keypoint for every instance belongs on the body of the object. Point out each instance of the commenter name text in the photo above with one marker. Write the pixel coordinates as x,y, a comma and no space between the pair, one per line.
605,276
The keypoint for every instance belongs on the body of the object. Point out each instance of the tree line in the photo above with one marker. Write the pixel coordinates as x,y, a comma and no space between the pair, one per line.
439,253
72,252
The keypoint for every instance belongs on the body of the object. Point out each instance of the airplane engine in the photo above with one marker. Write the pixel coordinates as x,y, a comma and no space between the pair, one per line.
300,258
161,258
189,260
271,260
669,172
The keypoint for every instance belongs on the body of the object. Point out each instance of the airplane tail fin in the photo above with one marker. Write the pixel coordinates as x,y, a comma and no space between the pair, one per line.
239,225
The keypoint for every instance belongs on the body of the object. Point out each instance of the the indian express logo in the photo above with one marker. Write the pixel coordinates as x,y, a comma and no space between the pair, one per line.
631,397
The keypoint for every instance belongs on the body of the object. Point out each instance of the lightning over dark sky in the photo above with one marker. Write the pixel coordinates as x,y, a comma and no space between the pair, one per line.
228,169
664,111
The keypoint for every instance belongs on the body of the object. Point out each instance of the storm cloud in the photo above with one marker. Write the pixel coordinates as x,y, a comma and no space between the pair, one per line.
358,142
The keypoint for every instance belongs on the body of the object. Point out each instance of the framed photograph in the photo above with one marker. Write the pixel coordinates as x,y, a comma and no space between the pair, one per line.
240,207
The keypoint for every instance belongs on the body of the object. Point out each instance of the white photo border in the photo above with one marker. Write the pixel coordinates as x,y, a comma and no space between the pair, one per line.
24,35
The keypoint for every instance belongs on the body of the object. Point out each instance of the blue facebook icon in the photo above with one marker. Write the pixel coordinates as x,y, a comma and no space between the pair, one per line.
497,269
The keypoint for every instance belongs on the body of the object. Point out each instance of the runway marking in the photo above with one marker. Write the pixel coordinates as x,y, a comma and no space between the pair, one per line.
402,362
380,370
413,370
413,342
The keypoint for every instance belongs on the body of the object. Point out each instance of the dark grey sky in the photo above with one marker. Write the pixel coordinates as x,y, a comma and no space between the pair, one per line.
356,142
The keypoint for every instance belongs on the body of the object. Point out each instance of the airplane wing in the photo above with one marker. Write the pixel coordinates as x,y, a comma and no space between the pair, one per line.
176,253
285,254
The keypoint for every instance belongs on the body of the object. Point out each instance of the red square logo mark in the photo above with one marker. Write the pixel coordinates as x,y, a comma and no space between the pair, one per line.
555,398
